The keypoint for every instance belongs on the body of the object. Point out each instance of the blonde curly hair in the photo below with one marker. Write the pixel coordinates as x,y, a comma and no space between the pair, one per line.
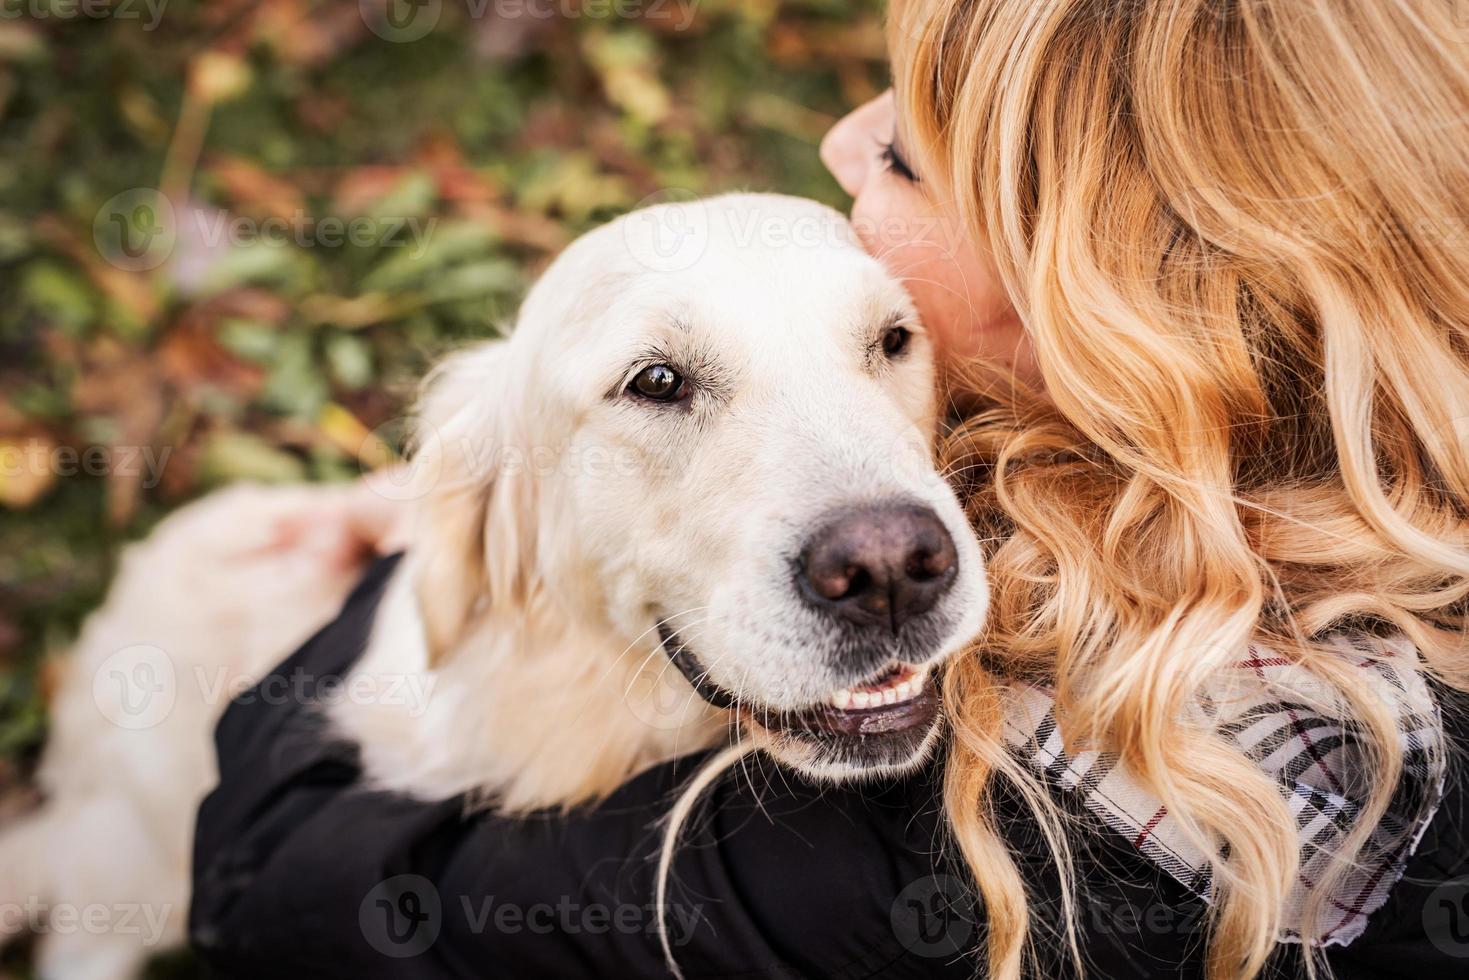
1237,234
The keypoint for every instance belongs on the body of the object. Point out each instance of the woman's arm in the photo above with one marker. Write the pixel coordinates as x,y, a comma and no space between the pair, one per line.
296,866
330,881
301,871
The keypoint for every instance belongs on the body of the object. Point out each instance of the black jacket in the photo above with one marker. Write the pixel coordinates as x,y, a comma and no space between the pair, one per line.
299,871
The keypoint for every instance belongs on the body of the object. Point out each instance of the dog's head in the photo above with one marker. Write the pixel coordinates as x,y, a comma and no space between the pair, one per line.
725,458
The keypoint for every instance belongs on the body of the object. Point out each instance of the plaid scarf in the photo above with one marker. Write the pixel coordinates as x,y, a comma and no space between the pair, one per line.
1297,729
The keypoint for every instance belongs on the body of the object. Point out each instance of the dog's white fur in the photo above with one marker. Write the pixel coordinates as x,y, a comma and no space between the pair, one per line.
561,518
557,519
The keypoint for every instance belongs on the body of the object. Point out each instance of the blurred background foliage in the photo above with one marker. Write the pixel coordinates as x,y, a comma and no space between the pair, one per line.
472,153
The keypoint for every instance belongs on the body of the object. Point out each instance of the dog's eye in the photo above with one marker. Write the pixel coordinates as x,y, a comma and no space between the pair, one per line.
659,383
895,340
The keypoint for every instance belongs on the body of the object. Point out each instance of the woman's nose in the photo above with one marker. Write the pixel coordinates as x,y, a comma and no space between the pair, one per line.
850,147
841,152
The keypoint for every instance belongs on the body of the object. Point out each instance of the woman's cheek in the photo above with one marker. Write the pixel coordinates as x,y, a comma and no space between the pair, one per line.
888,227
944,302
957,292
934,279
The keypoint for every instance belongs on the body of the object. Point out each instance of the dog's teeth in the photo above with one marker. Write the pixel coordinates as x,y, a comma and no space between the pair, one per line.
893,692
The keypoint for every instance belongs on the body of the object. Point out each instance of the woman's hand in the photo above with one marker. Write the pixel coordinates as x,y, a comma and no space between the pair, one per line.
346,529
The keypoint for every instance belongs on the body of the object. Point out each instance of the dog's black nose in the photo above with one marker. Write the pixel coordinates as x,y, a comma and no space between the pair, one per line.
880,565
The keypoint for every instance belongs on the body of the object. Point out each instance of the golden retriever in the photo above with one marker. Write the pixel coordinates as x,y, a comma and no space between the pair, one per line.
691,499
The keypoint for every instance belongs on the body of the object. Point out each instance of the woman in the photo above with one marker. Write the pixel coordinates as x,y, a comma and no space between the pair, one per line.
1200,271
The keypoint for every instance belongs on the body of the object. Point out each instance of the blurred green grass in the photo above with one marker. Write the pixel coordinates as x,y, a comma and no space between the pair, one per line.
500,136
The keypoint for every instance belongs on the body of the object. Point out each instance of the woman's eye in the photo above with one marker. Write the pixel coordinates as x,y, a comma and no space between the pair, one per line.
893,162
895,340
660,383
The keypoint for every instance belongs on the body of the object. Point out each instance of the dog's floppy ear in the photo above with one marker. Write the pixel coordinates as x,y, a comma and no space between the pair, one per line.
474,532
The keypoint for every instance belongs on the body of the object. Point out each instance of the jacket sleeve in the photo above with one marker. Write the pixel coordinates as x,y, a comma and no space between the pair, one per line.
1423,930
300,871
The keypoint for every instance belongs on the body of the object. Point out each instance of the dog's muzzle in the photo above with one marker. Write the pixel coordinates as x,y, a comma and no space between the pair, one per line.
898,699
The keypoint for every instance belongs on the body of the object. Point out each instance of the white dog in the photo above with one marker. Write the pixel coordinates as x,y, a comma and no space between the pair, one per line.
693,488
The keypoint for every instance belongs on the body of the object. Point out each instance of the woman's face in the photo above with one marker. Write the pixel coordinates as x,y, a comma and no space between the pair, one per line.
952,279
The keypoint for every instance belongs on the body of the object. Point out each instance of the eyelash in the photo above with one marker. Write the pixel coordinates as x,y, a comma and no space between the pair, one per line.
895,163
